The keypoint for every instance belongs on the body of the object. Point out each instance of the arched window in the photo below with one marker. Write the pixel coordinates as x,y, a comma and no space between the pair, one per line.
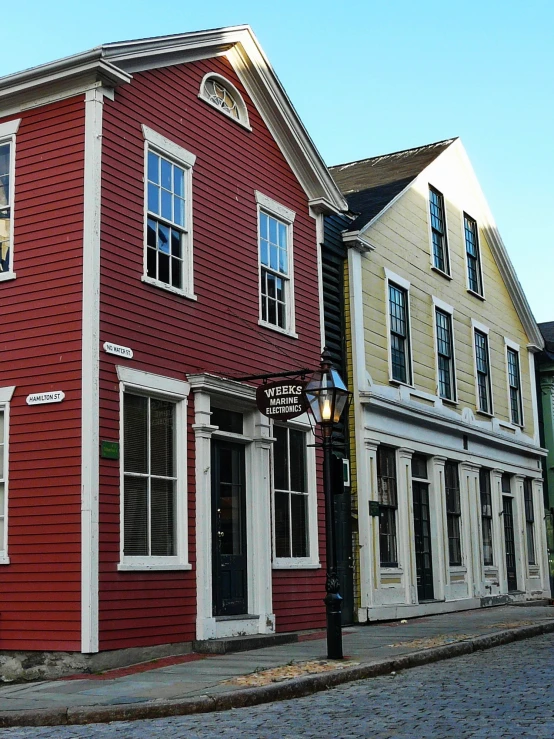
224,96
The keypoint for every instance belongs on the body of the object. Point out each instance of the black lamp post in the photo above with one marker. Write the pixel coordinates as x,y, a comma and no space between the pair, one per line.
328,396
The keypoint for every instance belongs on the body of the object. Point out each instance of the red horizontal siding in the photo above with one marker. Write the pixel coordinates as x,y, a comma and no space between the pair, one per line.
40,351
173,336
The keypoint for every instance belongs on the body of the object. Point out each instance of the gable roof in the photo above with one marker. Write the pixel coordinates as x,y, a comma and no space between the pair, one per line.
371,184
547,330
114,64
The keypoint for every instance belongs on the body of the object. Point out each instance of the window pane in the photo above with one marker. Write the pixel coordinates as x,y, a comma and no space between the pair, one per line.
273,231
264,248
282,525
297,460
166,174
163,267
162,437
280,458
230,421
386,476
299,516
162,522
387,537
153,198
419,466
179,211
135,423
179,181
153,167
166,205
135,513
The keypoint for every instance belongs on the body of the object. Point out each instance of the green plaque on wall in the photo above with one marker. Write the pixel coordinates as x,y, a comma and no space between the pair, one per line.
109,449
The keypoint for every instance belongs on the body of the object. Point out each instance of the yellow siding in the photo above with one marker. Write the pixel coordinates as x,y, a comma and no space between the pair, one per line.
352,445
402,244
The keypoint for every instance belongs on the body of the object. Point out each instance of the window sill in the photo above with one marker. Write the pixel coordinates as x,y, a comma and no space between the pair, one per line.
458,569
441,273
476,295
146,567
485,413
168,288
5,276
295,564
447,401
399,383
292,334
4,560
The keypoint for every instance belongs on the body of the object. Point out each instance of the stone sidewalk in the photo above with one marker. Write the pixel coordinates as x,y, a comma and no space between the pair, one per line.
199,683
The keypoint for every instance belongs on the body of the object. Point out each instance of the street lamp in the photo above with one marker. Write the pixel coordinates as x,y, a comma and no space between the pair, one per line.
327,395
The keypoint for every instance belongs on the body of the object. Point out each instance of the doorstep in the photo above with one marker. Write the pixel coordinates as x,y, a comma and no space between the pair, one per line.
242,643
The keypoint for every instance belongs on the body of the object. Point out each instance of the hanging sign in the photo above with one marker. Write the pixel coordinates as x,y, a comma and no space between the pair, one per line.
282,400
120,351
56,396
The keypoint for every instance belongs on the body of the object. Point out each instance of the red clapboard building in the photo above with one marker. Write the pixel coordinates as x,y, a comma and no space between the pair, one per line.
161,211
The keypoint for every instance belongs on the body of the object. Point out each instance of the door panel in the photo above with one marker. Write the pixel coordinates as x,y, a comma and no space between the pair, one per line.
228,529
422,534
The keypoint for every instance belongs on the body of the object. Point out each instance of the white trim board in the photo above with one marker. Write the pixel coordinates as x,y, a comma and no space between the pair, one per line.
90,403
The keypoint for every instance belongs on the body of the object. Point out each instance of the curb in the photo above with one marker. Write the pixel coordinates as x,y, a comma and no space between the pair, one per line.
295,688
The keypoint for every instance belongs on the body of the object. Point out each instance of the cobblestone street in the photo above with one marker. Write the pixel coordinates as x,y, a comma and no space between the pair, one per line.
503,692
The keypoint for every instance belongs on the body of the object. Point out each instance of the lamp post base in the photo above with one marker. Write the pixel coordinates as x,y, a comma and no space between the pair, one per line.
333,605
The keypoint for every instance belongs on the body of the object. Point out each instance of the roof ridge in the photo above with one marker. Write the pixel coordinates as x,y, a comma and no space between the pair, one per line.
394,153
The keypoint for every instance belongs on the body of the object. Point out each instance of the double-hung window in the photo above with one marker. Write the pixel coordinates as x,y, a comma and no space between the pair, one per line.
482,368
168,248
153,471
399,317
529,520
438,231
388,504
445,354
295,527
453,513
473,257
275,260
514,385
486,515
7,167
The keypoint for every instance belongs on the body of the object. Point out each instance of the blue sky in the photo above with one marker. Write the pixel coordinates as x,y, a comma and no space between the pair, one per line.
375,78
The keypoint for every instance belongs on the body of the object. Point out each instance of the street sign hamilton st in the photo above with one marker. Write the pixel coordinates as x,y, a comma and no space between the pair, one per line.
282,400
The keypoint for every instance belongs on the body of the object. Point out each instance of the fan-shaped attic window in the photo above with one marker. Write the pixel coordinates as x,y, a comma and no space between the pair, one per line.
224,96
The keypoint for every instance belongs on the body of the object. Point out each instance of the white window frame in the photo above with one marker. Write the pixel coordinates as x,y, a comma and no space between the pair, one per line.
476,326
242,120
274,209
8,133
405,285
159,144
481,295
6,394
301,423
445,308
175,391
446,275
509,344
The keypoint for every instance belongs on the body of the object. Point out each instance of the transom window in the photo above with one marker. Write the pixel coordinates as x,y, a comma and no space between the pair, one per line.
149,477
220,96
399,333
291,493
445,354
438,231
474,276
223,95
514,382
484,399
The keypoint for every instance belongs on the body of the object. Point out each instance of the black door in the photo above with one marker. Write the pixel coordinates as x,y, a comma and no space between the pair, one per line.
422,534
228,529
509,541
